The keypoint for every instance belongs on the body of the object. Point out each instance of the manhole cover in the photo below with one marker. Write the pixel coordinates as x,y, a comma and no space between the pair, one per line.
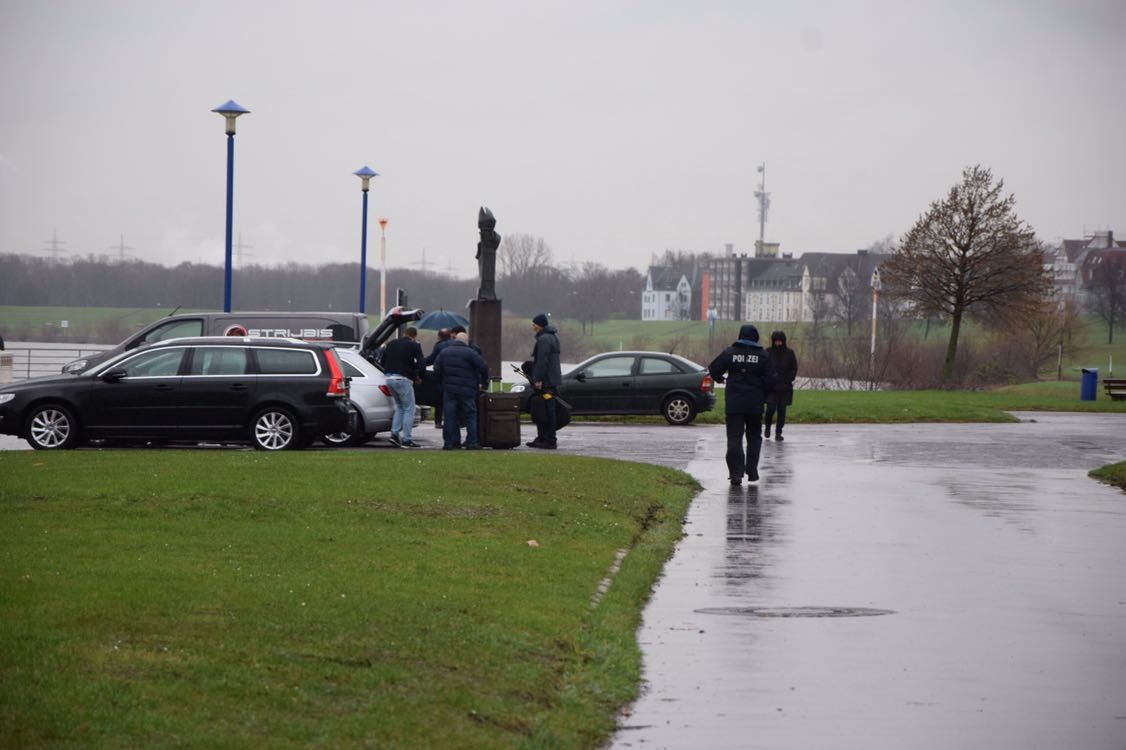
796,611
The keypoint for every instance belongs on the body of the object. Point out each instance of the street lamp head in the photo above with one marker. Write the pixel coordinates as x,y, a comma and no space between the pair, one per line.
383,223
231,110
365,173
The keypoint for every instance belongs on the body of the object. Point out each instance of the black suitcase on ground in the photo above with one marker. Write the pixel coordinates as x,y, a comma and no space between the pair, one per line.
498,420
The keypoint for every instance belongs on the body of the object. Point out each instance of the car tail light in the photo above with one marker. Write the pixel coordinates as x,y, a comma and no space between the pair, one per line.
338,385
385,390
706,384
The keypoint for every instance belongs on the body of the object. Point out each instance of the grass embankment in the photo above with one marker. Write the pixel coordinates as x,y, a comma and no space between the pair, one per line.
1113,474
234,598
855,407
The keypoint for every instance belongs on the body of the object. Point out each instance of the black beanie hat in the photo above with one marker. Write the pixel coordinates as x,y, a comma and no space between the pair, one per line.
748,333
540,320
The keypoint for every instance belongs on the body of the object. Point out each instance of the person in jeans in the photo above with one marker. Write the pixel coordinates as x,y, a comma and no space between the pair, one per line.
403,365
746,368
545,378
463,374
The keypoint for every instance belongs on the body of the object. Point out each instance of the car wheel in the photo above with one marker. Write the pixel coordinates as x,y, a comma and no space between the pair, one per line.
275,429
678,410
51,427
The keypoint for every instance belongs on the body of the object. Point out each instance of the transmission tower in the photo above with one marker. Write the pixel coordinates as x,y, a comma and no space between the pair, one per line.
54,246
424,264
240,250
122,249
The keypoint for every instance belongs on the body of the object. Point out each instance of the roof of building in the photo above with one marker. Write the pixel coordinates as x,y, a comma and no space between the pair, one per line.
666,278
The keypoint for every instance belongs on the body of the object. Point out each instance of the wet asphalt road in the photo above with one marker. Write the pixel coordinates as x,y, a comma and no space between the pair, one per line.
1001,564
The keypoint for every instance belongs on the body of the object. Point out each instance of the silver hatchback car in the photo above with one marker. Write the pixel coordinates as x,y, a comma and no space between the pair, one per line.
370,395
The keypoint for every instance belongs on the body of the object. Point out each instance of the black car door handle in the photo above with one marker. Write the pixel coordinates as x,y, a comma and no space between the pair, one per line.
163,387
238,387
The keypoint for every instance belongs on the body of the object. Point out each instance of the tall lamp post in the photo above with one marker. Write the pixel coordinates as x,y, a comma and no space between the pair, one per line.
875,305
365,174
230,112
382,267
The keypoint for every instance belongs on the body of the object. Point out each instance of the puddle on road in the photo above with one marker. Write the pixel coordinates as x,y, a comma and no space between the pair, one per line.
796,611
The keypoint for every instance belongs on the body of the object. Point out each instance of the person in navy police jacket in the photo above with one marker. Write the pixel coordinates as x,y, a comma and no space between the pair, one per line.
746,368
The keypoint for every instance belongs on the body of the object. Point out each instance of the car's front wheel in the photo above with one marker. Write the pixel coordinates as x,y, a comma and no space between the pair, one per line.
51,427
275,429
678,410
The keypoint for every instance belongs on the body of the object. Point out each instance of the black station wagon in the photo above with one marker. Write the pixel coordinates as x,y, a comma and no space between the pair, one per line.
277,394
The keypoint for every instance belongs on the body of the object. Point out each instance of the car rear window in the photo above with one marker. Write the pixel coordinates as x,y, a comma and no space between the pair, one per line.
350,370
219,360
287,362
611,367
655,366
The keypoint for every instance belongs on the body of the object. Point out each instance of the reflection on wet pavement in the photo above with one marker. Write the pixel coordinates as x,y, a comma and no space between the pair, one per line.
989,566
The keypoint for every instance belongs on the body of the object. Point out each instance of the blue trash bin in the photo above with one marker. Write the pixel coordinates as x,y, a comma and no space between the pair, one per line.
1089,384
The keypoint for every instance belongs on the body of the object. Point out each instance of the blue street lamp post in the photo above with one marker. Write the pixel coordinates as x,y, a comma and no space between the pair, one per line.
230,112
365,174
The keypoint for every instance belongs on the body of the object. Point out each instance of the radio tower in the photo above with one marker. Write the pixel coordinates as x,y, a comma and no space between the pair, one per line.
763,199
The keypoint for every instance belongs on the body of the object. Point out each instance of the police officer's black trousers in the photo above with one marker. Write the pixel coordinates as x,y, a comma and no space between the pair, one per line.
740,428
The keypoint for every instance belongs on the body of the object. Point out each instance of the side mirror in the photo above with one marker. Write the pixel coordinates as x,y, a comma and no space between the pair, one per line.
581,377
114,375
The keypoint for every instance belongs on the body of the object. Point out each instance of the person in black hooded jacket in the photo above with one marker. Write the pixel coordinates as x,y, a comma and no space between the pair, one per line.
786,368
746,368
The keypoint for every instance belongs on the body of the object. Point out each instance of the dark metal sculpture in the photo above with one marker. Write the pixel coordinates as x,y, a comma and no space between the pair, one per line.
487,254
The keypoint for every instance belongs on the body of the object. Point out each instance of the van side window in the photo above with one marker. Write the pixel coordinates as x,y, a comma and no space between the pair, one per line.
173,330
218,360
286,362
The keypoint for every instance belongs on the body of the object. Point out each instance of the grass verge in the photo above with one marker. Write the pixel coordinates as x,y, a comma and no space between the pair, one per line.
234,598
1112,474
870,407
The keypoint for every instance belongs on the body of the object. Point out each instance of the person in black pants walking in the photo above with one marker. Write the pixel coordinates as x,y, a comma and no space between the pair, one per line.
786,370
746,368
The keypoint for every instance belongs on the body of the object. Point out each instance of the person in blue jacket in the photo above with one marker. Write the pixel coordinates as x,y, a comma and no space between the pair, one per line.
463,373
746,368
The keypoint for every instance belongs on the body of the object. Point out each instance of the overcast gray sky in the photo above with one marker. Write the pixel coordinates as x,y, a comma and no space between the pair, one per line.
611,129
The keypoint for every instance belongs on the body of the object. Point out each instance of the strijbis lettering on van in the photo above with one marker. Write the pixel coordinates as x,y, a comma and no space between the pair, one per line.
299,333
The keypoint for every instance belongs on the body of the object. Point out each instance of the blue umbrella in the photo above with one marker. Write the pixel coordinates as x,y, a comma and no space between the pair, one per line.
436,319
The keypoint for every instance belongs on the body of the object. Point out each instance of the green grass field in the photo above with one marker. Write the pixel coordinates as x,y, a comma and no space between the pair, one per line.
110,325
240,599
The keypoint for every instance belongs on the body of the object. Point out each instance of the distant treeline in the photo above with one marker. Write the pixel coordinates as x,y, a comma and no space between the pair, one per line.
589,294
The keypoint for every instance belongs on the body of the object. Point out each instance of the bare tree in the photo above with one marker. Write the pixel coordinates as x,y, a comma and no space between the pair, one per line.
968,255
1106,290
522,254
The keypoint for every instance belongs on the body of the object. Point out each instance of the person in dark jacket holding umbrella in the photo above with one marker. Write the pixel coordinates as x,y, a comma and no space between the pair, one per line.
463,373
786,369
746,368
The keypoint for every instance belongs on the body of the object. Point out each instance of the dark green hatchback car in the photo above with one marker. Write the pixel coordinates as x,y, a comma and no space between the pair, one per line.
635,383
